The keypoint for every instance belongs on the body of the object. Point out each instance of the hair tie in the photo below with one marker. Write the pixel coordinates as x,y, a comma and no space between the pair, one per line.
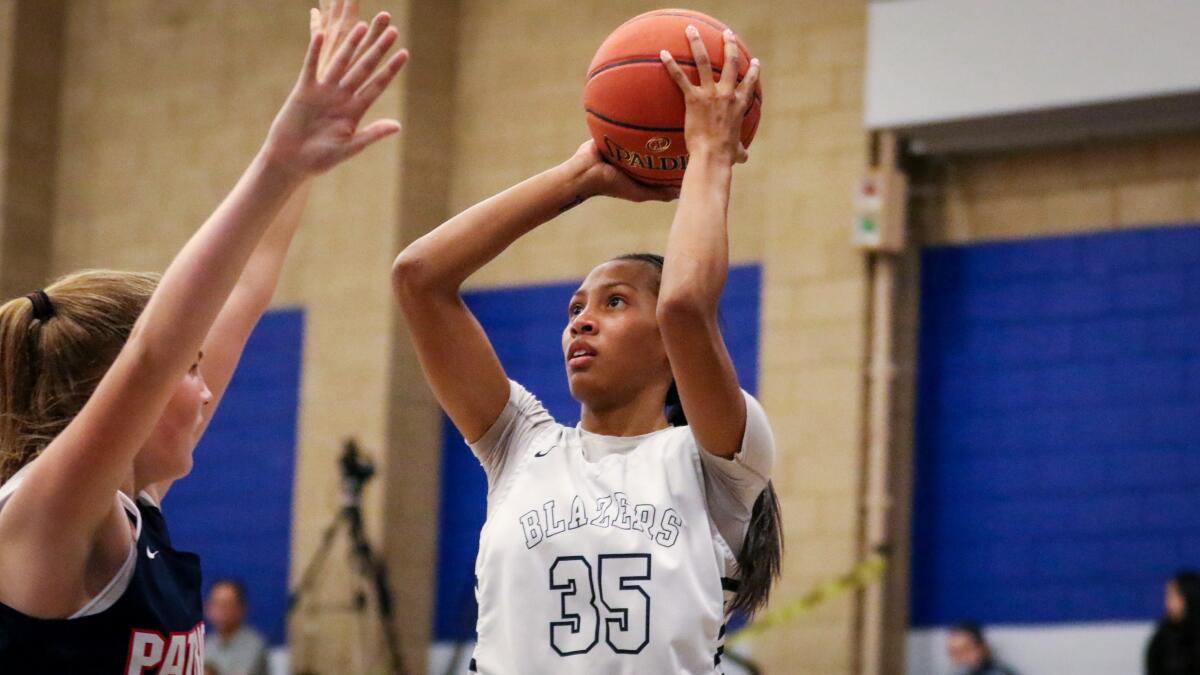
42,307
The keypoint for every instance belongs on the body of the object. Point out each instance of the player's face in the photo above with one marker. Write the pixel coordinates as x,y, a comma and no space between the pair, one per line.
611,345
168,453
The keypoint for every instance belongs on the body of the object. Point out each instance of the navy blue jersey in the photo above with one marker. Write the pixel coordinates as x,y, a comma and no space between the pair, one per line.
155,627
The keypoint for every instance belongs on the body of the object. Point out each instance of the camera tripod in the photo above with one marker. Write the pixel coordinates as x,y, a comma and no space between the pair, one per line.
355,474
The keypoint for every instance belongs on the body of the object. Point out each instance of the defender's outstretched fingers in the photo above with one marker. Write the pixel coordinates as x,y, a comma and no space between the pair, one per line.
369,60
312,60
733,62
378,25
382,78
685,85
338,24
700,56
373,132
341,61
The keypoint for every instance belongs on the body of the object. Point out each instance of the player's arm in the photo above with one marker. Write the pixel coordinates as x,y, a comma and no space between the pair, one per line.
50,521
225,342
697,256
459,361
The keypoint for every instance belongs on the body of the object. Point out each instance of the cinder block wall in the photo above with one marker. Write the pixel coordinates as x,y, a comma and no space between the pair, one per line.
8,27
8,15
1101,186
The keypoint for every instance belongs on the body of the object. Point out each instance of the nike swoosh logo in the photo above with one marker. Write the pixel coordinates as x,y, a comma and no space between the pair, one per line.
152,554
545,452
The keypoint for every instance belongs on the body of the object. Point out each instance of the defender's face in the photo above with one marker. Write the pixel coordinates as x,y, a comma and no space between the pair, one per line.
168,453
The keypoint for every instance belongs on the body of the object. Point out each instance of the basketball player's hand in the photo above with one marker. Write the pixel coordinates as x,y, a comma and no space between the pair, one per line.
602,178
715,108
319,124
337,19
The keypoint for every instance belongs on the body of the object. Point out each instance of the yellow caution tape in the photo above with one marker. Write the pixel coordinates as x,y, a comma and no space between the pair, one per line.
864,574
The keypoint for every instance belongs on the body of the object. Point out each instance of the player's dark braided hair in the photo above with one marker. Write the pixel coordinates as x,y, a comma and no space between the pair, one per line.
761,557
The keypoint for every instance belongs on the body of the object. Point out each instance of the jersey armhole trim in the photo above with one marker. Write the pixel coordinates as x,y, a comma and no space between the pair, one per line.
117,586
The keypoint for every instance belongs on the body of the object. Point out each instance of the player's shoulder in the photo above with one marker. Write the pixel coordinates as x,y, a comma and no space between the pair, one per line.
526,404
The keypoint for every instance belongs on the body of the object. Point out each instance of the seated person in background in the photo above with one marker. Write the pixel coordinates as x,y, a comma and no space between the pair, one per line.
1175,647
969,651
232,647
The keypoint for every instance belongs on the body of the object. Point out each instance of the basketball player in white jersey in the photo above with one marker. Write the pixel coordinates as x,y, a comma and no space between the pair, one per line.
622,544
103,395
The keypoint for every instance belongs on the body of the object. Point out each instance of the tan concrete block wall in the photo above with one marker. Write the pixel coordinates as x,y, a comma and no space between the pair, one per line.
33,74
519,87
1101,186
8,16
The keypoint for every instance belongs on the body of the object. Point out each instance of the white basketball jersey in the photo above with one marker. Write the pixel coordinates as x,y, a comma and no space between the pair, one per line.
599,554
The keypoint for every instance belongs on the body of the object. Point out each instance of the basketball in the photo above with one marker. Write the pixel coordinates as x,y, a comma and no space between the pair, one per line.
635,111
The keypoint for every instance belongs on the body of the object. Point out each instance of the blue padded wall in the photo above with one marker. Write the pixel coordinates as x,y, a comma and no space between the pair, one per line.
1058,427
524,324
235,509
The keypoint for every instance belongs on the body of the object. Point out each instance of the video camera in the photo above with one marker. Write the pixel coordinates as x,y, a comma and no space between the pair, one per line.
356,471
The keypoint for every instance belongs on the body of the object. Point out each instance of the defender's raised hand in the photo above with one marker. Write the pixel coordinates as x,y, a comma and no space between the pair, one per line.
715,108
337,19
318,126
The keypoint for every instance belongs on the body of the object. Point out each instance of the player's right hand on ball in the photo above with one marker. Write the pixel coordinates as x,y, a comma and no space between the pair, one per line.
318,126
602,178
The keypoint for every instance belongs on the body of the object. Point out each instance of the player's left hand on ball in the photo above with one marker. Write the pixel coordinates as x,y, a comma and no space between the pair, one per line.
318,126
715,108
605,179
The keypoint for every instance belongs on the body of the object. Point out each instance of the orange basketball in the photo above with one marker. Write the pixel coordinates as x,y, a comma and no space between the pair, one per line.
635,111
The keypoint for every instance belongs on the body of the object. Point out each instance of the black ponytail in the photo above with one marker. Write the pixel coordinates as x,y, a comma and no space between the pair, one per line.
675,414
761,556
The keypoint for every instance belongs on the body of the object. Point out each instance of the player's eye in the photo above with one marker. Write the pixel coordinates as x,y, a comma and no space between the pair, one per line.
616,301
575,309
